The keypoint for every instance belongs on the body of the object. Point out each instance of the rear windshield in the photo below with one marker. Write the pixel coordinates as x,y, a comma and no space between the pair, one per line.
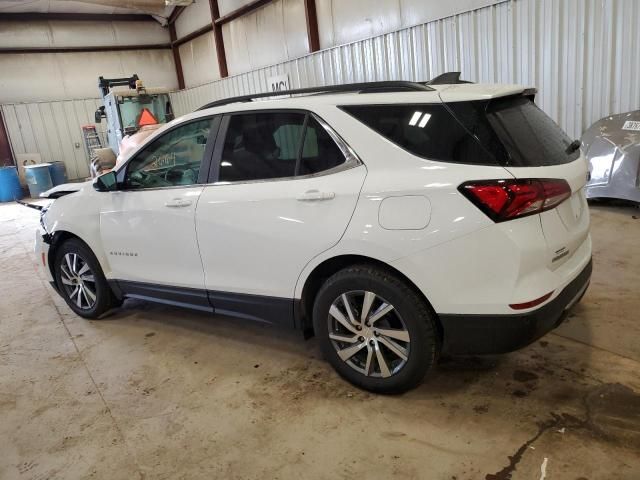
529,135
511,131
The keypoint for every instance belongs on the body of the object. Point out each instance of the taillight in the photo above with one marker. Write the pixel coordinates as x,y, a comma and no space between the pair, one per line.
507,199
530,303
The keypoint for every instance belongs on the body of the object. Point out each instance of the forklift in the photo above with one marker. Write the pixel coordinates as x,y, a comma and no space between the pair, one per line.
132,113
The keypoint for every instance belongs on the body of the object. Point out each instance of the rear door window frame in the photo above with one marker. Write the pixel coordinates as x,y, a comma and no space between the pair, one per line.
351,159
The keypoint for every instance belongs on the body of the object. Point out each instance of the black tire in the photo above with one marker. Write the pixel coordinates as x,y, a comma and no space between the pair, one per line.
409,310
88,308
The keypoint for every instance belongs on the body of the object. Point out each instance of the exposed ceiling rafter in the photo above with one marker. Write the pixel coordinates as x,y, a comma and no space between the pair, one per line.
90,17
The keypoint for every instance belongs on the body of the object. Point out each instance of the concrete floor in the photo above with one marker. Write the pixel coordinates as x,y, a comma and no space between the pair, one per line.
156,392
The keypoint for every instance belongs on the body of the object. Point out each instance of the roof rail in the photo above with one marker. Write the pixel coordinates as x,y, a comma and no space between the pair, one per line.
447,78
366,87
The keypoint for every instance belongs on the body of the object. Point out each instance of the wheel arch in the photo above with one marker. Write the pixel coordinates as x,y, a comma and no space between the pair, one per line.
328,267
57,239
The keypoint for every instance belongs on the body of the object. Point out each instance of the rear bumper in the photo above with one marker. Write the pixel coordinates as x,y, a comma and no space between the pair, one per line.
487,334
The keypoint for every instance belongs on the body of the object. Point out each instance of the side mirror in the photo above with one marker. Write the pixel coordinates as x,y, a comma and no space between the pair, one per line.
106,182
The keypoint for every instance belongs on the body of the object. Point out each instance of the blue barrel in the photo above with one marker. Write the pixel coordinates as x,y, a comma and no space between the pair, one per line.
10,188
58,173
38,178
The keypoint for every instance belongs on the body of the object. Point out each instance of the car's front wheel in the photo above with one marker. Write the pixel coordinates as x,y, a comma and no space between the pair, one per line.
375,330
80,280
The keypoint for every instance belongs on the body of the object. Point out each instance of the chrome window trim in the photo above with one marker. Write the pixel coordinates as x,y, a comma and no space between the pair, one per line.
345,148
150,189
337,169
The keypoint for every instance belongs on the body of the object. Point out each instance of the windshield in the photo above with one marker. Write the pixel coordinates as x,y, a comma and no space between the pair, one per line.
132,107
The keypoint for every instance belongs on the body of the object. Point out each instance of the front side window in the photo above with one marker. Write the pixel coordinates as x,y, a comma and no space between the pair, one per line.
270,145
171,160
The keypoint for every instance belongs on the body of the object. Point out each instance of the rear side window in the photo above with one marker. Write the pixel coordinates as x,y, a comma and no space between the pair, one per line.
270,145
426,130
319,152
261,146
529,135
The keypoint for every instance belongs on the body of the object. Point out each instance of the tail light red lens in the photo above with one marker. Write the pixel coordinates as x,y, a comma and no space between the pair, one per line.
531,303
504,200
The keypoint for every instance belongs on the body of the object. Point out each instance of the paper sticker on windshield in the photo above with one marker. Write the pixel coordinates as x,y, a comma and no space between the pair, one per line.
631,125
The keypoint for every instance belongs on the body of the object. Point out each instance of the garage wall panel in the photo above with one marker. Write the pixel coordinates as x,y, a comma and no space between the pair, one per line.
341,22
414,12
228,6
269,35
59,76
62,33
195,16
199,60
582,55
53,129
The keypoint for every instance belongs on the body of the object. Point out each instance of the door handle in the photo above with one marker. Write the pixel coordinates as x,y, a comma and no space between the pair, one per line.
177,203
315,195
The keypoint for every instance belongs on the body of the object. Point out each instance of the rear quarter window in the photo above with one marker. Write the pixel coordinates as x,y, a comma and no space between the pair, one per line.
426,130
508,131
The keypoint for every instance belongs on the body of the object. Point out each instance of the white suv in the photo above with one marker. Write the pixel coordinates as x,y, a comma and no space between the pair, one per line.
393,220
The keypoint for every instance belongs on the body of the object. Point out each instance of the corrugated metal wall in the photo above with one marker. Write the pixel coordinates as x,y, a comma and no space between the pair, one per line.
52,129
582,55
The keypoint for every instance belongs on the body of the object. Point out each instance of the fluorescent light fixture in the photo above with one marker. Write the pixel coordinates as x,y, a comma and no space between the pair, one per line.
424,120
415,118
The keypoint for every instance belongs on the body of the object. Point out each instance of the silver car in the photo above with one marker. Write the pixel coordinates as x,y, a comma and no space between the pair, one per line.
612,147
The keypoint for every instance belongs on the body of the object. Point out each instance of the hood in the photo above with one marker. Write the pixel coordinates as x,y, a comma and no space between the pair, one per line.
65,189
620,131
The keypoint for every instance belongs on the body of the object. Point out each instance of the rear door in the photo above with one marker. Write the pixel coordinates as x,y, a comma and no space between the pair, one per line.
538,148
285,189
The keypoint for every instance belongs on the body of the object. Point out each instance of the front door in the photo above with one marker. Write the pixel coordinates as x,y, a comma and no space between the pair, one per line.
148,224
285,192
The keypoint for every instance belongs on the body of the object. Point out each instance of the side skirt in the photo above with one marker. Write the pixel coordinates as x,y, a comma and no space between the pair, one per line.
272,310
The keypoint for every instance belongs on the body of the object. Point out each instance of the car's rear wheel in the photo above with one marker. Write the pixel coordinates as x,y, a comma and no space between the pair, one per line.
375,330
80,280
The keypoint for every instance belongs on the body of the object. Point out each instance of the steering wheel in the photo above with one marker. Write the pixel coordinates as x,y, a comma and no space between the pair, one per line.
178,172
138,177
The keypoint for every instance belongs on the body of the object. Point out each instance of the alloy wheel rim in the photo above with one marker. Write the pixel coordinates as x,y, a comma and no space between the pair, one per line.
78,281
368,334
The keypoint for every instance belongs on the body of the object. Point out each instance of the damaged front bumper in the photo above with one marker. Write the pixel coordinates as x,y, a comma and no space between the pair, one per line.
41,249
